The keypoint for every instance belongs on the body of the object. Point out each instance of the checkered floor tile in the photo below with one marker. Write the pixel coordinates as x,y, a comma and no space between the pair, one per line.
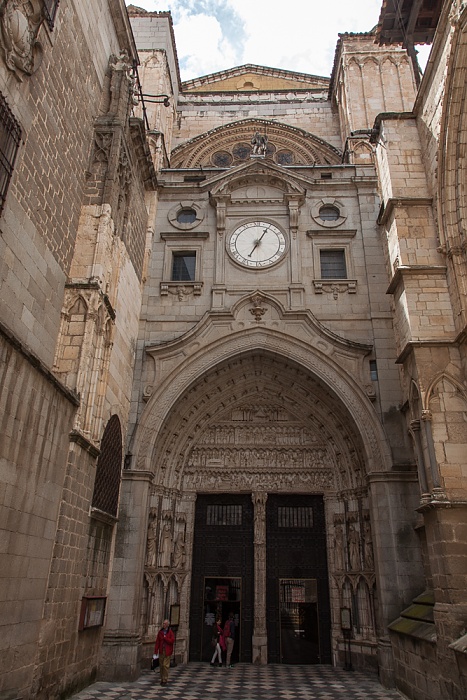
197,681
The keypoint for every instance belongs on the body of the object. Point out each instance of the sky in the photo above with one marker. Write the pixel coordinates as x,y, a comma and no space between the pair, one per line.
297,35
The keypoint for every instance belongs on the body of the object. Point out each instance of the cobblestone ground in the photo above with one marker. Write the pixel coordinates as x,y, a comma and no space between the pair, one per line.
196,681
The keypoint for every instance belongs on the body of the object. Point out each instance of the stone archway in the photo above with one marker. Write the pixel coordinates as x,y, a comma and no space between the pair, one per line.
260,423
290,372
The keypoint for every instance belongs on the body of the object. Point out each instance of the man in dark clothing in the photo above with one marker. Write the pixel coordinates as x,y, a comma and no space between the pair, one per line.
229,635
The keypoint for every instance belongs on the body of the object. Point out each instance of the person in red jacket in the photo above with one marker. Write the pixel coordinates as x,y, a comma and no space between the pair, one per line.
164,646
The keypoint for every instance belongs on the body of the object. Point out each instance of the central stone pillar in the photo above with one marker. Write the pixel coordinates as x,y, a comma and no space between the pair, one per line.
260,635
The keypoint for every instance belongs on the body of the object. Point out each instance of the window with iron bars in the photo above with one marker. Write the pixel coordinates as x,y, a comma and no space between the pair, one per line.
10,138
50,11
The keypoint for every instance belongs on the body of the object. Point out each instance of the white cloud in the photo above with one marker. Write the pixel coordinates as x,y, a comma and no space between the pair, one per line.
299,35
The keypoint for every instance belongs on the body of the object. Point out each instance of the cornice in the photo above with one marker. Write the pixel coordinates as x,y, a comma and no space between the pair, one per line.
397,202
412,271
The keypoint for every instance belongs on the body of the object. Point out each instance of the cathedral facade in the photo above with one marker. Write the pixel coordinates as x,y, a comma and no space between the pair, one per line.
233,325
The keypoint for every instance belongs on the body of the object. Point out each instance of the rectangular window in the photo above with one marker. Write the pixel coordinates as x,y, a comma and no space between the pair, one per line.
333,264
10,138
50,10
224,515
183,267
298,516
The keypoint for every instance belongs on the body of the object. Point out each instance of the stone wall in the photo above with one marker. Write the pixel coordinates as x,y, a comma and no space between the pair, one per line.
36,418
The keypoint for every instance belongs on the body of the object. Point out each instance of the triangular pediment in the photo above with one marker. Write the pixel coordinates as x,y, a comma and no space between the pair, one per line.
253,78
256,180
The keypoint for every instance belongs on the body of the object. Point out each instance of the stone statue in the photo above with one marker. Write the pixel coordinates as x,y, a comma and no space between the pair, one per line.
178,556
339,548
151,549
367,541
166,544
354,549
260,144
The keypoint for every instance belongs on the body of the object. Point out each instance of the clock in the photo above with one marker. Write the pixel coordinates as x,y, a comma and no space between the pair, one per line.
257,244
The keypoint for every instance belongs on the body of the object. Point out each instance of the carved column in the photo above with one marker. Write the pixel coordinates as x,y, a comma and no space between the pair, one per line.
260,637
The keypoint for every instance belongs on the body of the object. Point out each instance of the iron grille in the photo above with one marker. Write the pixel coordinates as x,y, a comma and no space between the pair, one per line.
50,11
10,138
294,516
108,472
224,515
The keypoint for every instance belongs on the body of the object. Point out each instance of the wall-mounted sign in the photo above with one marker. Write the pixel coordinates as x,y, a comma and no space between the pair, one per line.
92,612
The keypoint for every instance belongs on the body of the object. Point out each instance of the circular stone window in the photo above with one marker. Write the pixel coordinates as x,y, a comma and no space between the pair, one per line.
186,216
222,159
329,213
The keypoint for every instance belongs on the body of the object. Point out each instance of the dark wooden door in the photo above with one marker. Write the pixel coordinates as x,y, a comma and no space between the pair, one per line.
222,574
297,595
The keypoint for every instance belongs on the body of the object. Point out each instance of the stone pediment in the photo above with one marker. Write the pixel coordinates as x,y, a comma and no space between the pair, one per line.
230,145
254,78
255,181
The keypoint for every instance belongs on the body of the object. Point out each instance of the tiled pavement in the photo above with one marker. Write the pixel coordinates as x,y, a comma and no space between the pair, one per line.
198,681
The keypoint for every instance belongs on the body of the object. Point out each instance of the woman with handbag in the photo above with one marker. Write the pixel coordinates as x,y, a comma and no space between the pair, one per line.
218,642
164,646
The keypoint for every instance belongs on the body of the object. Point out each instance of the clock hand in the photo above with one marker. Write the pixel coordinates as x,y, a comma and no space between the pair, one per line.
257,243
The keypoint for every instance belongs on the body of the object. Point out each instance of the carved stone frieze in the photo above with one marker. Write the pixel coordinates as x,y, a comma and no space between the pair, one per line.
267,480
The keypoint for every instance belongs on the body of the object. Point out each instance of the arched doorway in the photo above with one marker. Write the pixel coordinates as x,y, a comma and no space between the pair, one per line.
260,427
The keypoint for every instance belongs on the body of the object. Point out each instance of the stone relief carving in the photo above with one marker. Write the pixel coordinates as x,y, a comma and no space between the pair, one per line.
282,459
20,21
257,311
295,480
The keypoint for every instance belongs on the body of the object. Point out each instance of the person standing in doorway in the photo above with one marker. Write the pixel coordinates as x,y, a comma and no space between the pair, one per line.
229,636
164,646
218,642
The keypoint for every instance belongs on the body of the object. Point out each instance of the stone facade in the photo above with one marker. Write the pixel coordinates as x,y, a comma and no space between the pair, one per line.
163,356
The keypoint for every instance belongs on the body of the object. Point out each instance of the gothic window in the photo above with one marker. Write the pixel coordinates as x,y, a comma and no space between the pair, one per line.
333,264
10,137
108,472
183,267
50,11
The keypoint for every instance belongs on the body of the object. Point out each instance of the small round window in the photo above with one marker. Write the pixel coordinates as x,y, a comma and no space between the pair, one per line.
329,213
186,216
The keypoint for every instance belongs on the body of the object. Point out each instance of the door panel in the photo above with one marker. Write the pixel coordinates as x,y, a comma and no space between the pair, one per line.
222,577
297,596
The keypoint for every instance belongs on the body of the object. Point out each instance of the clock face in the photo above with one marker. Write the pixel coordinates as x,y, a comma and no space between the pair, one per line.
257,244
